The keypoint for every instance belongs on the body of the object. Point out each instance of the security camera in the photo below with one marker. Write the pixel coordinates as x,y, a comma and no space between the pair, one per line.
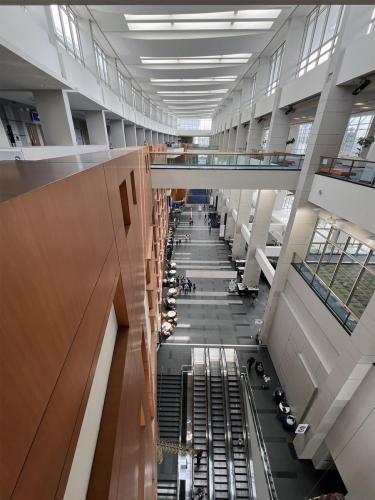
290,110
362,85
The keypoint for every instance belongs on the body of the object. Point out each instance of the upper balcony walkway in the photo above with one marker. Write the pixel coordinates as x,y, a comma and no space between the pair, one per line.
226,170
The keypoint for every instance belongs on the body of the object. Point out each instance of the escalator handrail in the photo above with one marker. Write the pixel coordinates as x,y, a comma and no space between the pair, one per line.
210,458
188,370
228,428
259,435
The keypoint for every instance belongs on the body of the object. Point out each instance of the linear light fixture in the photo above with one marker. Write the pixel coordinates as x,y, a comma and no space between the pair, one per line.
194,80
231,14
201,25
192,92
221,59
192,100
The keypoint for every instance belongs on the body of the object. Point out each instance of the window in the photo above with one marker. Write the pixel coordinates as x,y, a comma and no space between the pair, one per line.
66,29
358,126
101,63
320,37
341,269
371,26
122,84
302,138
252,89
201,141
288,201
195,123
275,70
266,133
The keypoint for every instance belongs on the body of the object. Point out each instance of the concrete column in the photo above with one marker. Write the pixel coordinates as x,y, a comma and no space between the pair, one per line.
241,138
117,134
259,235
4,141
254,136
232,139
234,197
333,112
226,140
140,136
279,127
97,127
56,117
148,136
243,214
154,137
130,135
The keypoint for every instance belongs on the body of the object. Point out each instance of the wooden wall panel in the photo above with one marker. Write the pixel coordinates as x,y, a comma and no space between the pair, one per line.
67,257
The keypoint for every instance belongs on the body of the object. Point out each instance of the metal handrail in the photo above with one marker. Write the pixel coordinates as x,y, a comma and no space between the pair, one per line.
227,426
263,450
348,170
186,369
246,435
210,458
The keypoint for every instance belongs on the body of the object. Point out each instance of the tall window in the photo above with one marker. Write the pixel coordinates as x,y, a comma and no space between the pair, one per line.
201,141
195,123
252,89
122,84
320,37
358,126
371,26
101,63
66,29
275,70
302,138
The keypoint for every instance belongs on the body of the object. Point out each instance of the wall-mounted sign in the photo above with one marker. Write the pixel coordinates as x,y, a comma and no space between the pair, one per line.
302,428
35,116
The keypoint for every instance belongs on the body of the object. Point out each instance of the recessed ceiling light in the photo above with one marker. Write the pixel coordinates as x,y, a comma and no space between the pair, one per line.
200,25
359,103
232,14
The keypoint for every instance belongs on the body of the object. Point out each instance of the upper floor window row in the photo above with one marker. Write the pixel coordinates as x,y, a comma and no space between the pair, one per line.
371,26
275,69
195,123
66,29
101,63
322,27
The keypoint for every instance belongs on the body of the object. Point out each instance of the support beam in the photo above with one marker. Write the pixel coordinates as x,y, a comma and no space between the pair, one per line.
97,127
56,117
243,214
130,135
140,136
117,134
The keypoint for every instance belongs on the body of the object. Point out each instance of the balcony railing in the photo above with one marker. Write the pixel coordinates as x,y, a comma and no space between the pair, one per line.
245,161
347,169
341,311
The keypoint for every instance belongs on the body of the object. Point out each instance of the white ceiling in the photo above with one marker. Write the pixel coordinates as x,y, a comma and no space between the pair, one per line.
131,45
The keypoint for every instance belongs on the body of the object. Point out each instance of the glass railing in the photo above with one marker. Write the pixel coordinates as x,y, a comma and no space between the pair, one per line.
347,169
275,161
341,311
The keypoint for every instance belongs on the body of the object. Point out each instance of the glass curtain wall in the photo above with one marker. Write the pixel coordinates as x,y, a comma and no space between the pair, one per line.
66,29
339,263
101,63
302,138
275,70
358,127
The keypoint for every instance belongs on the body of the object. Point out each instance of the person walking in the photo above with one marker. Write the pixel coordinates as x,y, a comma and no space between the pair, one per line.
190,284
194,287
250,363
209,227
199,454
205,217
186,288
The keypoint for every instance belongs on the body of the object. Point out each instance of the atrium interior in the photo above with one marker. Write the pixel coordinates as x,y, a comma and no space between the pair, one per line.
187,257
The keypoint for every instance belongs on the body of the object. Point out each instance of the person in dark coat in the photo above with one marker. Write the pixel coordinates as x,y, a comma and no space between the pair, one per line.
250,363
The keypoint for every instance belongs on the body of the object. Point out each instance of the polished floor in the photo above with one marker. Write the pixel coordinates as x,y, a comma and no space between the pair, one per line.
212,317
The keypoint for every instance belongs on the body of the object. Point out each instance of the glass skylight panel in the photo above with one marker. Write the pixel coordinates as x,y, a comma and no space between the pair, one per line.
193,100
222,59
232,14
188,92
193,80
201,25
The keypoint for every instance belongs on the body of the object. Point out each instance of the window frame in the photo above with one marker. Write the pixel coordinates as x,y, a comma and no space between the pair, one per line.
74,46
304,131
101,63
344,148
276,62
323,51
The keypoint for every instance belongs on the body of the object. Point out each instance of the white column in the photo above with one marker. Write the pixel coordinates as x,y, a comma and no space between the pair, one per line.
140,136
56,117
154,137
243,215
4,141
254,136
259,235
130,135
333,113
97,127
148,136
241,137
232,139
117,134
279,127
234,197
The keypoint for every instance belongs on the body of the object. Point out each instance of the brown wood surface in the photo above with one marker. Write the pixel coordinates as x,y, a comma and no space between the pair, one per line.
65,258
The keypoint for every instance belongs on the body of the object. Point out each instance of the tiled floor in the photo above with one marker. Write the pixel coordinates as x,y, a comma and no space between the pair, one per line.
211,316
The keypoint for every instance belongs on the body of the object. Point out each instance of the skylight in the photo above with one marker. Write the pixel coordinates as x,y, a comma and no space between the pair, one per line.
222,59
232,14
192,100
201,25
188,92
194,80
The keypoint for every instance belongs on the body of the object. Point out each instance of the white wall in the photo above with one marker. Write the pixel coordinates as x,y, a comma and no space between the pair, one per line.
45,152
80,470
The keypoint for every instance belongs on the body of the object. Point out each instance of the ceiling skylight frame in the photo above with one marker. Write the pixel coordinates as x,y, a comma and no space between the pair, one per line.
200,25
204,16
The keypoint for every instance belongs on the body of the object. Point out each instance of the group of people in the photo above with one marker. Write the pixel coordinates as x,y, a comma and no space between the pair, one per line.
185,285
186,238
